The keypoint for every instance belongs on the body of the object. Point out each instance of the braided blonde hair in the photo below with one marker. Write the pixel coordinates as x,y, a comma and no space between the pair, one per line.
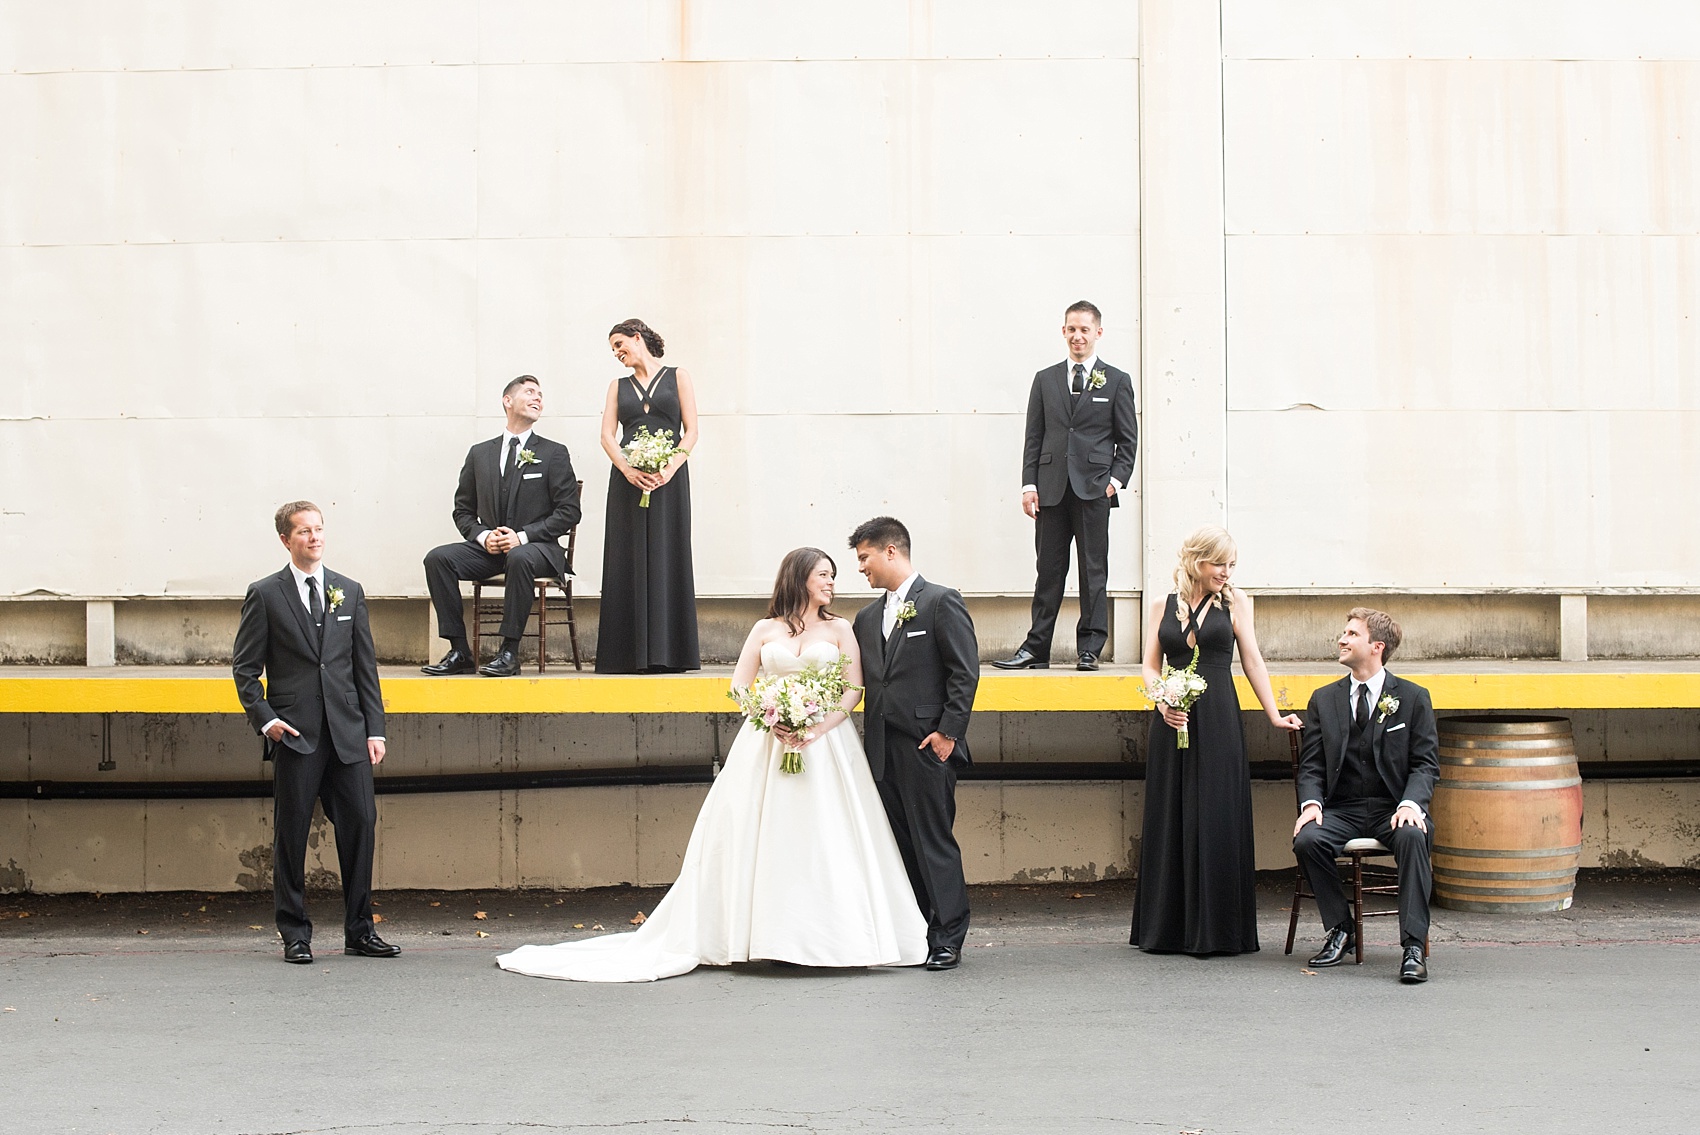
1208,545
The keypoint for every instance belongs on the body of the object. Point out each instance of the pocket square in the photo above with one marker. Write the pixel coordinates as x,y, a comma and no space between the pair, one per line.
343,618
1396,728
913,634
531,476
1095,398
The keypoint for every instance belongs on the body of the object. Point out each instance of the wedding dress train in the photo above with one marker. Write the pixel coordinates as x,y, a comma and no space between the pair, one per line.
800,868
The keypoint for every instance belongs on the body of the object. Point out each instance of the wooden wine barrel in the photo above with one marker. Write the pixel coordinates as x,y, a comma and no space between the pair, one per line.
1507,814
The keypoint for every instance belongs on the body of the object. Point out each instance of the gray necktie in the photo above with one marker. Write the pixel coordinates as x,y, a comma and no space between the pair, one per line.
314,607
1361,719
1079,379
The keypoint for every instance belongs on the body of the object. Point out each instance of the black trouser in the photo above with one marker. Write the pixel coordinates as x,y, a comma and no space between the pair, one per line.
919,794
1318,845
446,566
1085,523
346,791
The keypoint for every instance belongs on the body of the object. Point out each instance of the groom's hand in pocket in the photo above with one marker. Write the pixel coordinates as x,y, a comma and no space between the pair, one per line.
942,747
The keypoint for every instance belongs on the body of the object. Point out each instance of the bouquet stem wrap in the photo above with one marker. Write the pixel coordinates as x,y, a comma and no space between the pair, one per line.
1179,689
650,453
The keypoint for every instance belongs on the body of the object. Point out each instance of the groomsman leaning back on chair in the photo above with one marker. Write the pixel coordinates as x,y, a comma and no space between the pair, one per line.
1367,769
517,497
322,716
1078,454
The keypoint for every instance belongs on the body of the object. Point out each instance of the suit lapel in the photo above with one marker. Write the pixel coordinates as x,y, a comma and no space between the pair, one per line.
510,485
1338,708
895,642
1377,724
1069,400
873,661
292,600
489,484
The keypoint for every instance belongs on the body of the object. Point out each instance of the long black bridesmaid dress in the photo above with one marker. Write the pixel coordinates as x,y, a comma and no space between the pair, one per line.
649,602
1197,866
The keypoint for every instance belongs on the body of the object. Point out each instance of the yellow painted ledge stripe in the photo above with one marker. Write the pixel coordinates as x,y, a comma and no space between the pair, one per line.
707,694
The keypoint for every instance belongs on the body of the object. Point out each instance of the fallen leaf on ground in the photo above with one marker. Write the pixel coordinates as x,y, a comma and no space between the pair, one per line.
638,919
377,918
560,902
1087,895
480,915
436,904
578,926
9,1009
141,931
1308,972
253,927
1193,1131
596,926
23,914
203,910
480,934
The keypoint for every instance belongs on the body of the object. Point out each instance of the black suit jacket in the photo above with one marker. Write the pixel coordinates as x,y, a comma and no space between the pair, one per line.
311,680
1079,441
542,499
1406,744
922,679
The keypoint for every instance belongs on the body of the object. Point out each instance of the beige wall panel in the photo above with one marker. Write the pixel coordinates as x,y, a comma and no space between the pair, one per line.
583,837
88,845
979,830
1651,824
795,149
1460,29
120,35
1465,500
367,153
207,844
1464,322
222,333
1063,833
1462,147
14,846
457,841
666,813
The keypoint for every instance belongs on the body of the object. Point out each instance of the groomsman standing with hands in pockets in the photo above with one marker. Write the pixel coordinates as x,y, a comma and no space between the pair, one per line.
1080,444
322,716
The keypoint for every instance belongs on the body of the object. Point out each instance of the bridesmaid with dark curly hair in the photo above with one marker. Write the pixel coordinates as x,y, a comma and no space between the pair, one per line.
649,604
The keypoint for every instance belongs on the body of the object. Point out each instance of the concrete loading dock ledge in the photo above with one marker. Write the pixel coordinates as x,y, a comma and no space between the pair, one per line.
573,780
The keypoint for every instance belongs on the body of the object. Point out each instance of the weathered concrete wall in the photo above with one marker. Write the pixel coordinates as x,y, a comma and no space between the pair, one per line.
1010,831
1305,627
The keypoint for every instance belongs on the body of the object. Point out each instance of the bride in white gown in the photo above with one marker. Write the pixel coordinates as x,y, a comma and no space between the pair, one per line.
798,867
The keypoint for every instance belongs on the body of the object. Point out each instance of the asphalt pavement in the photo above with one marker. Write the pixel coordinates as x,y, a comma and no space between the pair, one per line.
174,1014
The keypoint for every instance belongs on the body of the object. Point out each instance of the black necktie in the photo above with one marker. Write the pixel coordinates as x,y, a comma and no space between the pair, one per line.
314,607
1079,378
513,455
1361,719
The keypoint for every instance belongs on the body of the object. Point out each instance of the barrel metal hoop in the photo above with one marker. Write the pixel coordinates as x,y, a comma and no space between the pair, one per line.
1449,873
1564,742
1533,892
1501,853
1511,786
1481,906
1507,762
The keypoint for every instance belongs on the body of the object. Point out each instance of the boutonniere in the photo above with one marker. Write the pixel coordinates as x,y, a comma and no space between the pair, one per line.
1388,704
526,457
1096,380
905,612
334,594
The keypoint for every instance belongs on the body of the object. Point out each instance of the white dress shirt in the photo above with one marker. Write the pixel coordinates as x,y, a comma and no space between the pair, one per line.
502,484
301,578
1091,365
894,601
1375,684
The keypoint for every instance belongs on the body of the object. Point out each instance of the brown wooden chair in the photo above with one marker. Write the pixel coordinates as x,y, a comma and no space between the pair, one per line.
548,610
1367,878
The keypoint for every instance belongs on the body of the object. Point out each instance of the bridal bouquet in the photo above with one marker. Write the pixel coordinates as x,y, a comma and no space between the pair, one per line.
797,702
1179,689
650,453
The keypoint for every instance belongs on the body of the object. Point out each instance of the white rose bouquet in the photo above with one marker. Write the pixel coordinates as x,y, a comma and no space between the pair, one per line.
797,702
1179,689
650,453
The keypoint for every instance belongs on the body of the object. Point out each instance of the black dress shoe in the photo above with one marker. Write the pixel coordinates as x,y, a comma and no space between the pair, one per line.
454,662
943,957
1088,661
1335,948
1413,970
504,665
299,953
1023,659
371,946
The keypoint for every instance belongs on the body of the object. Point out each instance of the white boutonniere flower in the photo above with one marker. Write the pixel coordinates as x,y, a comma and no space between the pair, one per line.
526,457
1096,380
1388,704
905,612
334,594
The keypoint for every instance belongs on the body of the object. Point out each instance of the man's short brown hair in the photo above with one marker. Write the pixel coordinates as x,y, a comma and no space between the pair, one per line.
1381,627
285,518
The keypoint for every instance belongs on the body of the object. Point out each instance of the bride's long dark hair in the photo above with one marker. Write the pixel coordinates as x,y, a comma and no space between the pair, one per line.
790,600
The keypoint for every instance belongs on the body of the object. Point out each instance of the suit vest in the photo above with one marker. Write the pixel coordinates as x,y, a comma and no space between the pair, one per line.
1358,779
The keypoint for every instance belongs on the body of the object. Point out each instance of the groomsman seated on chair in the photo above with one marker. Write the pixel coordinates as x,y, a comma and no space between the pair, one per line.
517,497
1367,769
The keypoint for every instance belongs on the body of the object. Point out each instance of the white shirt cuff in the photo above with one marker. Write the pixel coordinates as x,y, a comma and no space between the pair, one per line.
483,536
1308,803
1029,488
1412,803
1116,481
266,728
523,538
377,739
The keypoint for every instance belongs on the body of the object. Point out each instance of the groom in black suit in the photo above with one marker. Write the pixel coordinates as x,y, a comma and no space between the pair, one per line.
1081,440
1367,769
517,497
921,663
322,716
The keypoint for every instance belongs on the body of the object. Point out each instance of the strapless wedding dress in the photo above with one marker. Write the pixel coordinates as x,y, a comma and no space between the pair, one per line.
800,868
